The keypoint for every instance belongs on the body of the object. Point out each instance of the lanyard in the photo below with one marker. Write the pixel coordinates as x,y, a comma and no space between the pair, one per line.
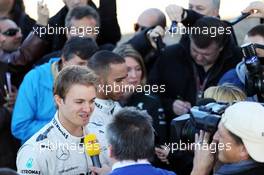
200,86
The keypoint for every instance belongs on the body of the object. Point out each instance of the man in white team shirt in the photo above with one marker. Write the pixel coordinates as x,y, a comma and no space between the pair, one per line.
58,147
112,71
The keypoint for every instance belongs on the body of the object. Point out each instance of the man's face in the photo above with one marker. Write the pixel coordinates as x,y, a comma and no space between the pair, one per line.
205,57
204,7
256,40
232,151
75,3
75,60
12,34
115,78
85,27
78,105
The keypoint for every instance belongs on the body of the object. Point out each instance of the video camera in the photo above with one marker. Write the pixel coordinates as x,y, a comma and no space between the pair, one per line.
254,77
205,117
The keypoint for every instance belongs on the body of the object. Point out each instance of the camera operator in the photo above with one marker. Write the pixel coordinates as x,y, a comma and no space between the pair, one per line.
181,161
240,76
240,132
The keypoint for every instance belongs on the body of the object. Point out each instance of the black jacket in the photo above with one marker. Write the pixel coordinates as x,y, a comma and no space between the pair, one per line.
109,27
175,70
152,105
257,170
9,145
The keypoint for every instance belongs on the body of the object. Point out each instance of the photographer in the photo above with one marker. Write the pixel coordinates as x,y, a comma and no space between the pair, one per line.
240,75
181,161
194,65
241,132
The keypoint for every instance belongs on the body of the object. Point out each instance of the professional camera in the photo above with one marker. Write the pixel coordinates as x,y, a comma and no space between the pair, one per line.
206,117
254,64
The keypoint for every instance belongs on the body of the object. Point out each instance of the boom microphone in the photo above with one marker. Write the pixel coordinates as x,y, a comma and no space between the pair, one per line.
92,148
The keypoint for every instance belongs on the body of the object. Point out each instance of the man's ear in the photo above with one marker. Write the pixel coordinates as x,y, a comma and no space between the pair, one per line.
110,149
244,153
216,12
58,100
62,60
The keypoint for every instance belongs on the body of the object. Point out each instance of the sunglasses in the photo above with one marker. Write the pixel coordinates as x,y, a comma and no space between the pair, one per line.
138,27
11,32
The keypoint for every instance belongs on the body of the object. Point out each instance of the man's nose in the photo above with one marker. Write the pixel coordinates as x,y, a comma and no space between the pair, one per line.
199,57
133,73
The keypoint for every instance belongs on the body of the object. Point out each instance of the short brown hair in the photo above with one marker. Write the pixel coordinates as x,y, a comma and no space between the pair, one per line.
72,75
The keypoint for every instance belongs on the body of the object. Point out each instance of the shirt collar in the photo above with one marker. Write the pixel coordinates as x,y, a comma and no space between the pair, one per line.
107,106
236,167
63,132
124,163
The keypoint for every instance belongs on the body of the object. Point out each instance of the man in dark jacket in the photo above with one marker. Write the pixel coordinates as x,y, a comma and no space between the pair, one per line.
194,65
108,22
9,145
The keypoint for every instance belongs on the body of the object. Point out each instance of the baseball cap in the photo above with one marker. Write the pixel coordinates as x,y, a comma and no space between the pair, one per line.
246,120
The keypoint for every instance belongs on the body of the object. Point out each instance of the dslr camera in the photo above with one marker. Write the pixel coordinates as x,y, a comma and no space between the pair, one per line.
254,64
205,117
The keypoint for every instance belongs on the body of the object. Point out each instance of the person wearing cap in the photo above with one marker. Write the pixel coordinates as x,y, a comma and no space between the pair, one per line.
241,134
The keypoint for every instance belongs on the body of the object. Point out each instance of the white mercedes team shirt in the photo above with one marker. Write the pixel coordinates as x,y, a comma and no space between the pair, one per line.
102,115
53,150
